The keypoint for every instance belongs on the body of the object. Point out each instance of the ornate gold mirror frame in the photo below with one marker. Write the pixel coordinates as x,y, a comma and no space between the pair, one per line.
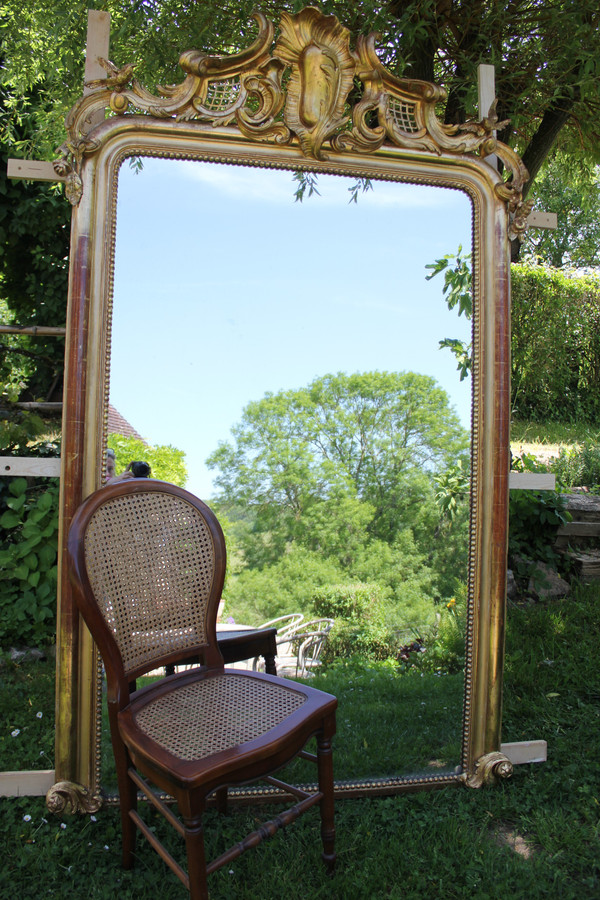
314,101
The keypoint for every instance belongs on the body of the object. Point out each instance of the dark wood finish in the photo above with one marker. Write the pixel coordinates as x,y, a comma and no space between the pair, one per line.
239,645
143,759
236,646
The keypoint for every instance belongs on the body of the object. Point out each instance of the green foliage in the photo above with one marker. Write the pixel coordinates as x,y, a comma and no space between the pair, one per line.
369,437
458,290
359,613
257,595
28,551
452,488
578,466
352,602
555,346
571,189
166,462
534,519
444,643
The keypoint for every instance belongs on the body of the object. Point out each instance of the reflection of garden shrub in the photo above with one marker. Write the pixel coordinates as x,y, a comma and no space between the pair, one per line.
353,602
445,643
359,611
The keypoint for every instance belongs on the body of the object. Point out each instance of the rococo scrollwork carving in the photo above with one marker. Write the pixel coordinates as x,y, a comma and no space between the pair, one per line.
334,99
66,796
489,769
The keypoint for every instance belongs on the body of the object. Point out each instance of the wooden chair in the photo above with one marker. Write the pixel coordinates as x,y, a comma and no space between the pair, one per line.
147,562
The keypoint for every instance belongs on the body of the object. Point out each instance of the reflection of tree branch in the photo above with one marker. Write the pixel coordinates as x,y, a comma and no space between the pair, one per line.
30,354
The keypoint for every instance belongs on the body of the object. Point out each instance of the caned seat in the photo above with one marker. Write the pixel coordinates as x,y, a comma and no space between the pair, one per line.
147,562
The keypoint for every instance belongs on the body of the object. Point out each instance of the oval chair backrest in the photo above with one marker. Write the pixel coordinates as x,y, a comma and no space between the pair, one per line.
154,560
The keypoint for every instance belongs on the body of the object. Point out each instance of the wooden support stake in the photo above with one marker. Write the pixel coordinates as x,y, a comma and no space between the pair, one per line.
539,219
29,466
521,752
486,94
34,330
32,170
531,481
35,783
97,47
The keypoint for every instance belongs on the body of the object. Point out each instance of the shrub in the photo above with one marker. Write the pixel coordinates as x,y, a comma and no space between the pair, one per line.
578,466
555,345
28,569
444,644
534,519
359,610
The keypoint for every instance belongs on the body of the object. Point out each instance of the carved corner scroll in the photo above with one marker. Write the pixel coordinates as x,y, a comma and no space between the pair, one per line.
489,769
66,796
334,96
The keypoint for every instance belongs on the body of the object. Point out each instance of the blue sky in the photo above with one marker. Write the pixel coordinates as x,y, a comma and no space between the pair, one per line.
225,288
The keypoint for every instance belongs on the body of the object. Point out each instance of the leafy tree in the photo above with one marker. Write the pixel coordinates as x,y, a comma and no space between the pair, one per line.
546,55
373,438
167,463
572,190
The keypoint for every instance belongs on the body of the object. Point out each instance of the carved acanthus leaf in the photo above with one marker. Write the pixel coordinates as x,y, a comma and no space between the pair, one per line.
67,796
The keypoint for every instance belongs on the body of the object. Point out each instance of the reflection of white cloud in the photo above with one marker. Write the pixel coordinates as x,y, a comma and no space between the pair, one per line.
273,186
245,181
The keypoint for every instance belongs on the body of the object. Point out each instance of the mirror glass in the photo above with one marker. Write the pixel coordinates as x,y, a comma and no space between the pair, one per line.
228,291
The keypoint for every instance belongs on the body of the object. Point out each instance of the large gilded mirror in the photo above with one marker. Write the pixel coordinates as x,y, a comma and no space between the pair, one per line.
199,286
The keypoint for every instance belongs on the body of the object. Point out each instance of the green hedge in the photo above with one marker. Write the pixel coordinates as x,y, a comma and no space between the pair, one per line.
555,345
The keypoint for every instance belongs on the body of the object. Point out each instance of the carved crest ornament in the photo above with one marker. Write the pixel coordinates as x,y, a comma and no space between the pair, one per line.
304,89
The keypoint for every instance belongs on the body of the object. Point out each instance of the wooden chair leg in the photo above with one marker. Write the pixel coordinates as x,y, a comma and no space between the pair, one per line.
127,802
196,860
325,769
221,800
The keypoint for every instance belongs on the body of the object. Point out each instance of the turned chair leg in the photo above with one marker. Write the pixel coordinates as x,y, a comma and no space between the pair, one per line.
325,769
196,860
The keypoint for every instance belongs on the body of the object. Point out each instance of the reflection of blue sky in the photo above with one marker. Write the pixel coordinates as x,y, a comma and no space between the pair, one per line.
225,289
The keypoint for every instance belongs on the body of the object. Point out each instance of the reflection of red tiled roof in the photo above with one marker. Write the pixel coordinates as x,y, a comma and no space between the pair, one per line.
118,425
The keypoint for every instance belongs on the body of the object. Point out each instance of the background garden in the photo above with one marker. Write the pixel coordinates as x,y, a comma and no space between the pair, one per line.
347,497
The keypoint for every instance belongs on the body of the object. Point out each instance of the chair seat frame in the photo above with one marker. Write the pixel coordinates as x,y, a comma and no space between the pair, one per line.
143,763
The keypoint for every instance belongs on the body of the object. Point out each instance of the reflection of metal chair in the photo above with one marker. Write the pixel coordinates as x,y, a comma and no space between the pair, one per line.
301,647
284,624
147,565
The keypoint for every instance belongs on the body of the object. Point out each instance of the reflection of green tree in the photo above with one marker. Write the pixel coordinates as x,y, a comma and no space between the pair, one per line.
167,463
336,483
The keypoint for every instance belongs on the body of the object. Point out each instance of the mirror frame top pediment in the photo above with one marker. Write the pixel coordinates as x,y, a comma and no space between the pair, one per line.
312,99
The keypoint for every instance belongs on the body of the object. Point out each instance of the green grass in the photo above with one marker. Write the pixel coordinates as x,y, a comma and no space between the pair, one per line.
533,836
551,433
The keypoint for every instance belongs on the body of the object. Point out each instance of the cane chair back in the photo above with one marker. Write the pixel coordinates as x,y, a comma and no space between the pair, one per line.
154,563
147,563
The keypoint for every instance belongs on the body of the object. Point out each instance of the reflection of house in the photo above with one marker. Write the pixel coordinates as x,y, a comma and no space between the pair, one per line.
118,425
